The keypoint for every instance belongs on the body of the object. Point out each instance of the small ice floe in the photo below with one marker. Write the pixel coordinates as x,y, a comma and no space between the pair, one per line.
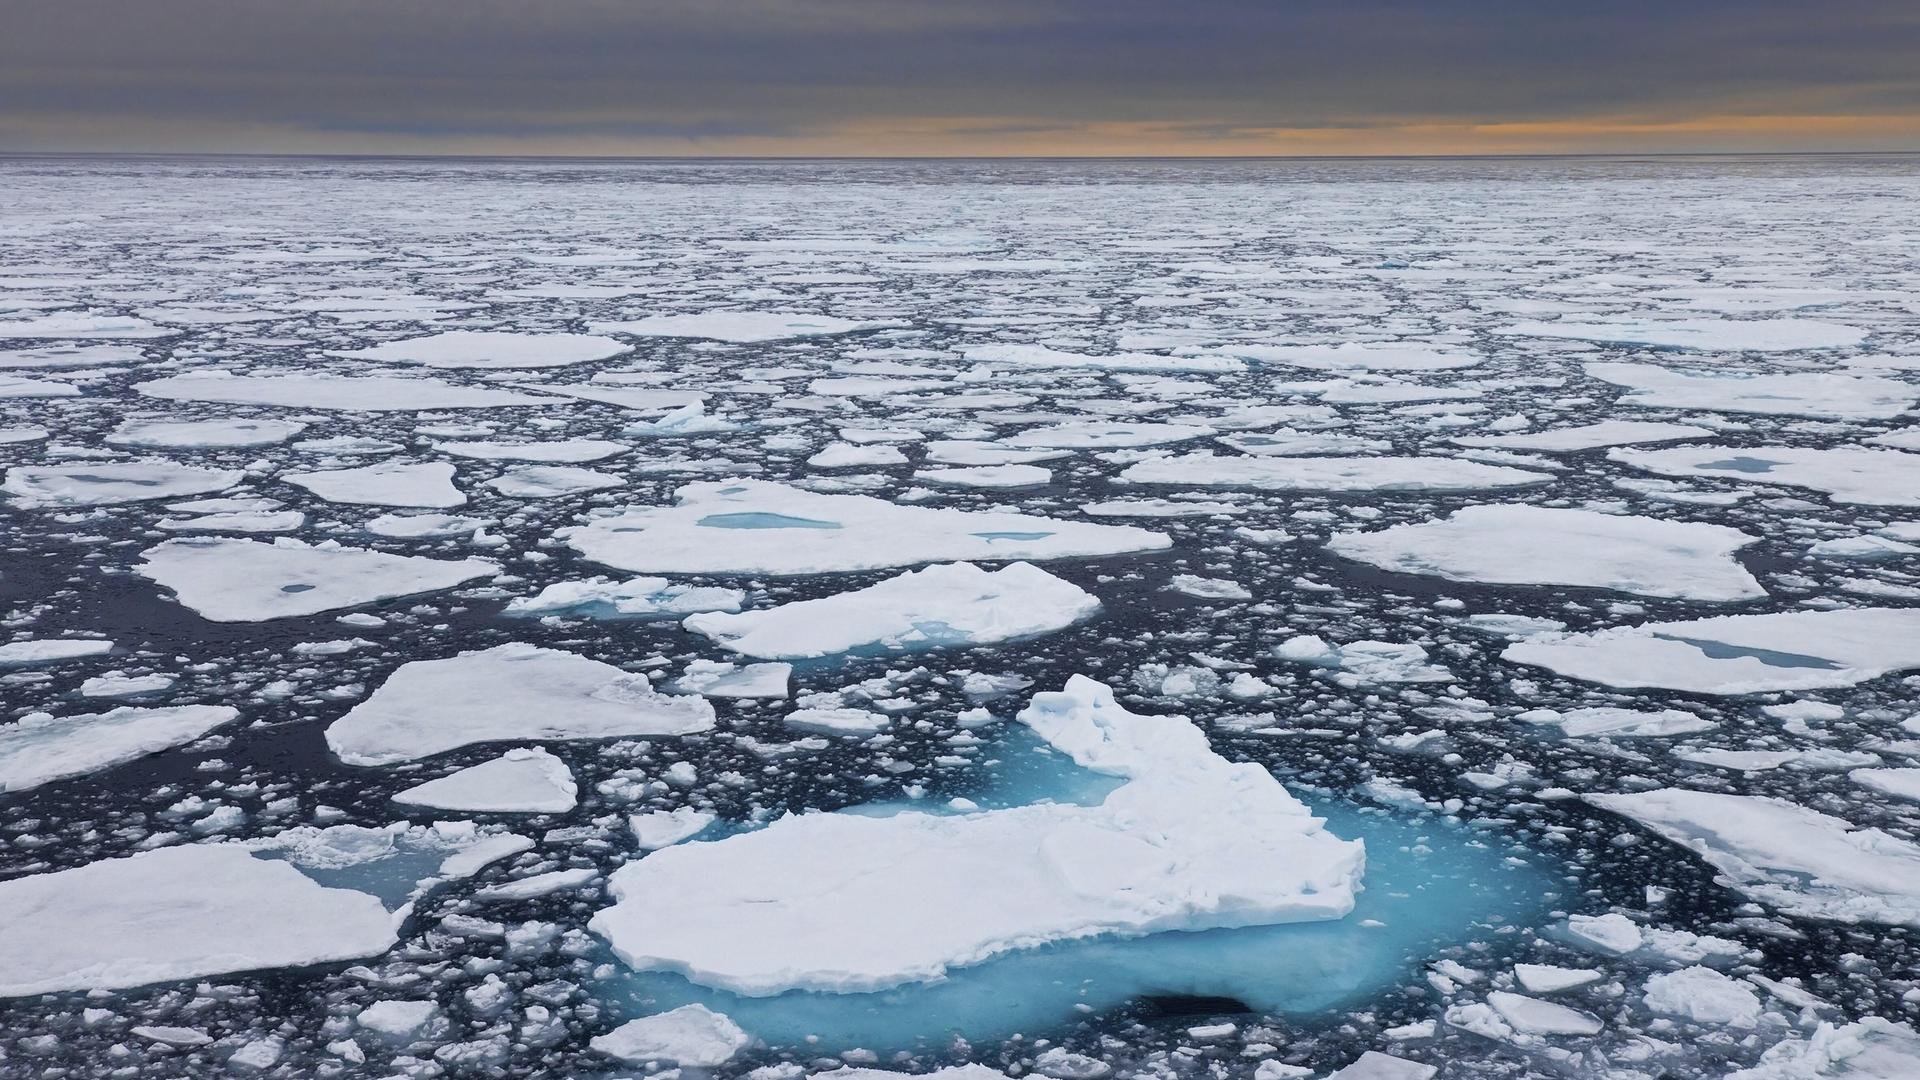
426,526
657,829
988,476
526,780
39,652
1535,545
741,327
1588,436
632,598
1715,335
351,393
1801,861
84,325
424,484
1850,474
691,1036
557,452
40,748
230,580
552,481
841,720
1870,1049
106,482
1188,841
1039,356
1328,473
1409,356
491,349
1619,723
1104,434
203,434
514,691
759,527
958,604
1360,662
1736,654
717,678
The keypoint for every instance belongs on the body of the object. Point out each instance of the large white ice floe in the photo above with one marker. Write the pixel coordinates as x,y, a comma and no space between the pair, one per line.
1588,436
759,527
84,325
1189,841
424,484
1328,473
203,434
1798,393
1090,434
740,327
357,393
635,597
1798,860
954,604
193,911
1870,1049
552,481
232,580
1359,356
1736,654
101,483
1850,474
492,349
1717,335
1039,356
509,692
40,748
692,1036
1533,545
525,780
558,452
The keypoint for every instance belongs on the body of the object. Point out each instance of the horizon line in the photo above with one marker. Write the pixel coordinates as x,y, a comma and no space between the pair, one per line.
432,156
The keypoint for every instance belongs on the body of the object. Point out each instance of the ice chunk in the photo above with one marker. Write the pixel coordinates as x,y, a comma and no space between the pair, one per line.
1328,473
1039,356
551,481
87,325
1798,393
296,390
665,828
1851,474
1704,996
757,527
838,721
104,482
692,1036
1547,979
634,597
953,604
41,651
1618,723
1535,545
1899,783
560,452
1374,1065
526,780
229,580
1531,1016
988,476
1189,841
198,434
513,691
1087,434
1871,1049
176,913
1799,860
1736,654
1359,356
492,349
387,483
719,679
1588,436
40,748
1721,335
741,327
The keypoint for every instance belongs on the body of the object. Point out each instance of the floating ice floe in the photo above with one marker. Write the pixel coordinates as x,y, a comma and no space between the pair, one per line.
1798,860
1799,393
40,748
552,481
952,605
1289,443
1716,335
741,327
1105,434
1039,356
359,393
1619,723
40,651
1189,841
229,580
514,691
526,780
1358,356
424,484
1736,654
689,419
69,356
1702,995
1361,662
562,452
1588,436
194,911
492,349
1870,1049
203,434
656,829
641,596
14,386
988,476
1850,474
838,721
759,527
1535,545
103,483
691,1036
75,324
718,678
1328,473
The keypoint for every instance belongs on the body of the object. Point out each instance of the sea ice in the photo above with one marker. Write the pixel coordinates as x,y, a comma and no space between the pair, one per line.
691,1036
1188,841
230,580
40,748
561,452
40,651
360,393
107,482
1717,335
1850,474
425,484
203,434
956,604
514,691
718,678
526,780
1534,545
740,327
1359,356
1736,654
75,324
492,349
759,527
552,481
1039,356
1588,436
1799,393
635,597
1328,473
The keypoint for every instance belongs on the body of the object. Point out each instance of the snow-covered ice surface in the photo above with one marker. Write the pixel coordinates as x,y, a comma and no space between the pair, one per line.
679,550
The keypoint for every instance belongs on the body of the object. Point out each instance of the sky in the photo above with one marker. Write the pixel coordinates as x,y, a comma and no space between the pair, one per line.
959,77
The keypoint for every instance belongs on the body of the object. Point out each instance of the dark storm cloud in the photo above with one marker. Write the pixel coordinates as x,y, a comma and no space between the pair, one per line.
146,71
